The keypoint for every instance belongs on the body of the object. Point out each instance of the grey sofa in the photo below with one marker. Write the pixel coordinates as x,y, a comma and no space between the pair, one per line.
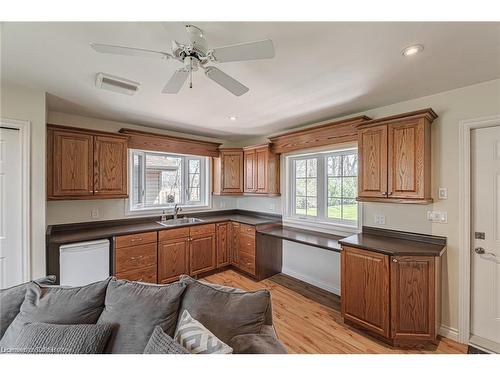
119,316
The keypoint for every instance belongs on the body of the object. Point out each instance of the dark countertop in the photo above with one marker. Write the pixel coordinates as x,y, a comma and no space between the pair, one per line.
395,243
303,236
68,233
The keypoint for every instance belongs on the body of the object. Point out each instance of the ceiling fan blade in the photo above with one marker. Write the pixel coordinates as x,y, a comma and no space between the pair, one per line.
263,49
228,82
129,51
176,81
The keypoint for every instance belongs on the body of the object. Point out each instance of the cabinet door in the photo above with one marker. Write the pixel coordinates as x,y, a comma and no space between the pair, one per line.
235,244
222,244
413,298
173,259
365,289
260,170
406,153
72,165
249,157
110,166
202,253
232,172
372,156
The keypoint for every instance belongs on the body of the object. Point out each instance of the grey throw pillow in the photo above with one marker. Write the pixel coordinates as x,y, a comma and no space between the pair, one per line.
60,305
193,336
11,300
135,309
226,313
257,344
161,343
45,338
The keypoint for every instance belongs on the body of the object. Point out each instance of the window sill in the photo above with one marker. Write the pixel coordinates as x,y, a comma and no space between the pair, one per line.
321,226
168,210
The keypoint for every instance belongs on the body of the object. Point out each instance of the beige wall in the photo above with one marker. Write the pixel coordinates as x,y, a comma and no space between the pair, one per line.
22,103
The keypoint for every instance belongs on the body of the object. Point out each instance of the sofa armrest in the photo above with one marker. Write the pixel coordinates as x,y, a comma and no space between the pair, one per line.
261,343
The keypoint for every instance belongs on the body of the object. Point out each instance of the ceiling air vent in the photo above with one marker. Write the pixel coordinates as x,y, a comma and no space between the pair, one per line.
112,83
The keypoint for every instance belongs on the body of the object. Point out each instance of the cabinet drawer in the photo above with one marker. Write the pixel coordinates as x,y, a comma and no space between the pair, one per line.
202,229
247,263
133,257
171,234
146,275
247,229
247,244
135,239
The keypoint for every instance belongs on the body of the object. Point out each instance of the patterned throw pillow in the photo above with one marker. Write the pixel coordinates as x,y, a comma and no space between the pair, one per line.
192,335
161,343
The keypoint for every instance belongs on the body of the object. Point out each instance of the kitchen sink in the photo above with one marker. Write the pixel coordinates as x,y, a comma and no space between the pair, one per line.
181,221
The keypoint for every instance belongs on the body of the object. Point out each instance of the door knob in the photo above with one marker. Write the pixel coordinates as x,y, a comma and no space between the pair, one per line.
480,250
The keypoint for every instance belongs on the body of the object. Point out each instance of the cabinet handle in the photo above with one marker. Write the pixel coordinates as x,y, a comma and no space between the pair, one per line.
136,258
384,194
395,260
96,191
136,239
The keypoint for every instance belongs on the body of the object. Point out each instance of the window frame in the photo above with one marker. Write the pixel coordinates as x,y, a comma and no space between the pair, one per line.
205,199
321,221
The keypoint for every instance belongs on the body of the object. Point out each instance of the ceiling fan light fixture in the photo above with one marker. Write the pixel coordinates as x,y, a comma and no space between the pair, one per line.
412,50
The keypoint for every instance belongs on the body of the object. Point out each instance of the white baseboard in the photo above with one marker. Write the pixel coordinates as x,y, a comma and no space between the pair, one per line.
448,332
311,280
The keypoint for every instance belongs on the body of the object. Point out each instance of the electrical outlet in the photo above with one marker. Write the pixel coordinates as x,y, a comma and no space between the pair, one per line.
379,219
272,206
94,214
443,193
437,217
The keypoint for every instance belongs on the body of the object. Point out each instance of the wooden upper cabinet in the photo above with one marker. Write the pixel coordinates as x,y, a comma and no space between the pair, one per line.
71,164
85,164
228,172
395,158
261,170
110,166
372,161
250,167
365,289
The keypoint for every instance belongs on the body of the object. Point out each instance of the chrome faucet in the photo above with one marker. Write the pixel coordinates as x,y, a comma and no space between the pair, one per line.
177,209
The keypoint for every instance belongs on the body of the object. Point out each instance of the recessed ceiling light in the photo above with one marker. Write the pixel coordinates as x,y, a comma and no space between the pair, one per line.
232,118
412,50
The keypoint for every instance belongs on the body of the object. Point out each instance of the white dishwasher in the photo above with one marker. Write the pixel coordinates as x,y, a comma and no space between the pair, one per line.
83,262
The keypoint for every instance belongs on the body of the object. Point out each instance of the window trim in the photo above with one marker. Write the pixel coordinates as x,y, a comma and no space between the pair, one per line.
320,222
204,188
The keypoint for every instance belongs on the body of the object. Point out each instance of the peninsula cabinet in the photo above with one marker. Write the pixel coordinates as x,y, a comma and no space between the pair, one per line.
228,172
262,172
394,156
394,297
85,164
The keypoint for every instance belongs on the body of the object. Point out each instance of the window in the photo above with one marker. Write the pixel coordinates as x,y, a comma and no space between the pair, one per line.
323,187
160,180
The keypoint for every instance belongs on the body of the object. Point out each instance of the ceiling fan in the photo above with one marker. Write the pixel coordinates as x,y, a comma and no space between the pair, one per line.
195,55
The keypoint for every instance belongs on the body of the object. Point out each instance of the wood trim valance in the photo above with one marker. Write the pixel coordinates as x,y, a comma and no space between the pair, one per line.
316,136
427,113
166,143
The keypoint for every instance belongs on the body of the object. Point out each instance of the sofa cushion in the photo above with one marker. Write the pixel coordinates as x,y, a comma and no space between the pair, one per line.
135,309
225,313
60,305
11,300
45,338
193,336
161,343
256,344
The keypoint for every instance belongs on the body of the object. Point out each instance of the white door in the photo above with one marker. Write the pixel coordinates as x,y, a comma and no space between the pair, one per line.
11,207
485,258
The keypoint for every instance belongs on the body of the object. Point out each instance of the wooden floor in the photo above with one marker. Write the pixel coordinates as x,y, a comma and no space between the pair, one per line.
308,319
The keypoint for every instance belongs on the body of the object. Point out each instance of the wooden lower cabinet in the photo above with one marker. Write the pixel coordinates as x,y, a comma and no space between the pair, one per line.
202,249
135,257
365,289
223,244
394,297
234,243
173,259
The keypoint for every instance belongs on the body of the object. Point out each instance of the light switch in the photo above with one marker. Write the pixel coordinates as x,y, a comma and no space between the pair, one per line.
443,193
94,214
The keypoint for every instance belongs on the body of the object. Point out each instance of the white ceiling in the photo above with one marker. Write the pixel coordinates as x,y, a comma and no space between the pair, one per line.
321,70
